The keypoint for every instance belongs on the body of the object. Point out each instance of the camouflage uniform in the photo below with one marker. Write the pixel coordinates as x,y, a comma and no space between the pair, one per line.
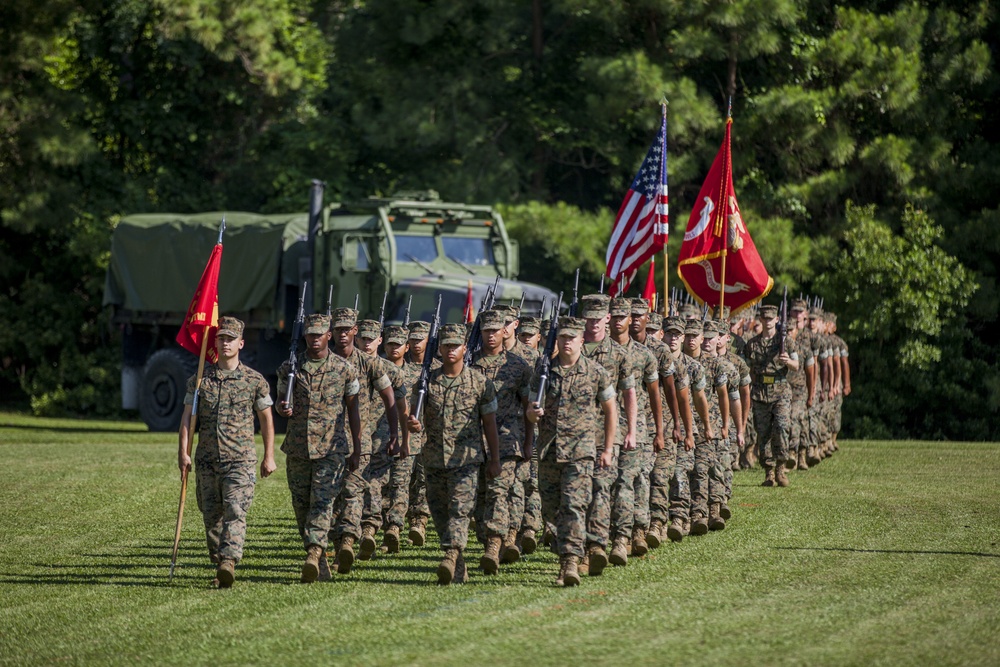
741,379
682,481
566,445
798,438
662,477
771,396
820,352
400,476
721,472
226,458
316,444
706,487
418,509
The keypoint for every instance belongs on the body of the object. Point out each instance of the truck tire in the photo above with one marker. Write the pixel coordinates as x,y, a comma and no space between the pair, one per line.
164,381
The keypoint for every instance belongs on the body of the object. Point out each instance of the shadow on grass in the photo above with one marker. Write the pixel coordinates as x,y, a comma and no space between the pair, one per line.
82,428
893,551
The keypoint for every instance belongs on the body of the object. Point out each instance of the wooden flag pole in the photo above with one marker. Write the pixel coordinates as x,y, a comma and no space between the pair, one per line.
666,264
726,174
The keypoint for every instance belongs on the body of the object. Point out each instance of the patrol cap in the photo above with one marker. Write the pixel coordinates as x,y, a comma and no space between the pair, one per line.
693,328
690,310
831,318
419,330
317,323
768,311
345,317
620,306
655,322
509,313
395,334
545,325
492,319
724,315
452,334
639,306
798,304
674,325
571,326
528,325
230,326
369,329
594,306
816,313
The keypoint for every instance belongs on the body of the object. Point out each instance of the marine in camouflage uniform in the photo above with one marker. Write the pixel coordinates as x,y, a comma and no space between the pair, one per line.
568,416
500,501
418,512
318,454
738,423
459,411
800,381
844,386
529,332
720,485
226,457
820,350
771,396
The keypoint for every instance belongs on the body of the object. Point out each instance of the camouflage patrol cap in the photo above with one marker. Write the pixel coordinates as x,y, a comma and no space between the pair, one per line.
395,334
690,310
510,313
571,326
230,326
674,325
768,311
711,329
345,317
594,306
816,313
831,318
545,325
798,304
419,330
370,329
620,306
492,320
452,334
693,328
655,322
317,323
639,306
724,315
528,325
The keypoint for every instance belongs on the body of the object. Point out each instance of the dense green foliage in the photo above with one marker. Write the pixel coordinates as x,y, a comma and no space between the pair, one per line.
124,106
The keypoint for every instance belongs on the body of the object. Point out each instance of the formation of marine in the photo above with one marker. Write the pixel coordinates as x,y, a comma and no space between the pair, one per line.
600,436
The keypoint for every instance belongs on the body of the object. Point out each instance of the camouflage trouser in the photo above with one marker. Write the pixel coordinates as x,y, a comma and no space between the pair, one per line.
532,499
660,480
799,426
722,471
224,492
623,492
773,421
813,417
451,496
397,497
378,476
838,406
495,501
750,434
315,485
349,507
566,490
599,507
418,491
681,483
642,488
708,486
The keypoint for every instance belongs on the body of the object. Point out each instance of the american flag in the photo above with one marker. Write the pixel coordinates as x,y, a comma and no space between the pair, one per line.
640,229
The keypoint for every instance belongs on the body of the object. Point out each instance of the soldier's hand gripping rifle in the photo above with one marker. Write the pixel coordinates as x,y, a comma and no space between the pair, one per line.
545,360
783,319
575,304
423,382
293,355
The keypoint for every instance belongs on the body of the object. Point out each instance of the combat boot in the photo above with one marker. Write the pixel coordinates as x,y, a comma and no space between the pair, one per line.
639,546
461,571
391,540
655,534
418,530
812,458
715,520
528,542
619,551
686,527
803,464
598,560
367,546
324,569
310,569
699,526
345,555
226,573
725,512
510,552
570,572
768,477
490,561
446,570
583,567
751,456
793,461
675,531
780,478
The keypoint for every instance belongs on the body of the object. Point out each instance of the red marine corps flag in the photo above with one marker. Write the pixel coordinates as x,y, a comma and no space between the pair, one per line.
197,333
717,248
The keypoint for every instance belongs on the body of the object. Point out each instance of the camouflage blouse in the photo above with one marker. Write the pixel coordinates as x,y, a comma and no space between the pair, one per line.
227,401
317,426
452,411
511,376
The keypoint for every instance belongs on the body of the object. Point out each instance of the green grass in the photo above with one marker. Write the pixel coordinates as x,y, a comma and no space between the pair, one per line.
885,554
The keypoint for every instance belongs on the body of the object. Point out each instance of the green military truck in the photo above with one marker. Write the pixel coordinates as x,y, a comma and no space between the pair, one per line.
412,245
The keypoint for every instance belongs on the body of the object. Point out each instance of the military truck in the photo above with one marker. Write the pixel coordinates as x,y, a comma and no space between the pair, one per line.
409,246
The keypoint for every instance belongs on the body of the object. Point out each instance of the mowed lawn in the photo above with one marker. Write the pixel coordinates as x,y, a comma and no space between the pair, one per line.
886,553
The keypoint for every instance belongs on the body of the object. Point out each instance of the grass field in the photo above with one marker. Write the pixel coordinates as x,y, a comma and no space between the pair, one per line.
885,554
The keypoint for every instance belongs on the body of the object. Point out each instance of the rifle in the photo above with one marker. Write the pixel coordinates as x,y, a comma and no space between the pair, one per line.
293,357
545,360
476,335
541,310
520,306
329,302
601,289
406,313
783,319
575,304
356,304
423,382
381,313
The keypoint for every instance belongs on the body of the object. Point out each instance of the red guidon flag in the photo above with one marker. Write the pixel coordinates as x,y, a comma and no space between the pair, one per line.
468,304
716,219
649,293
203,314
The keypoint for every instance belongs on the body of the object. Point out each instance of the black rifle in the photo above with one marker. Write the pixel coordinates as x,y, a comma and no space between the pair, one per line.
783,319
381,313
575,304
545,360
423,382
476,335
406,313
601,288
293,356
520,306
329,302
356,296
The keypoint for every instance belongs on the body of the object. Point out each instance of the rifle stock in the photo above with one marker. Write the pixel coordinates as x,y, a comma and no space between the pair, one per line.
546,357
423,382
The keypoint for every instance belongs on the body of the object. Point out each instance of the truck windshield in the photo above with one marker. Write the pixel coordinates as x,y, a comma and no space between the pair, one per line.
410,248
477,252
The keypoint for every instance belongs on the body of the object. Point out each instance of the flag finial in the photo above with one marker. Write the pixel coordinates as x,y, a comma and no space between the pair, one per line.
222,228
729,113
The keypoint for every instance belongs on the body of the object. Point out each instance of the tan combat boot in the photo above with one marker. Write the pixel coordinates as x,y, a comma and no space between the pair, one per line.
654,536
675,531
687,527
461,571
418,531
725,512
715,520
310,569
803,464
367,546
812,456
639,546
490,562
768,477
570,573
598,560
619,551
528,542
226,573
510,552
345,555
324,569
446,570
699,526
391,540
780,478
793,461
